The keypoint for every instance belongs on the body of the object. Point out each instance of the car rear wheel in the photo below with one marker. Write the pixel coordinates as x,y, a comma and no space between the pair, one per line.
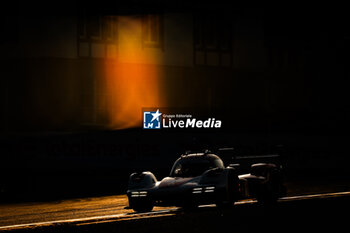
266,194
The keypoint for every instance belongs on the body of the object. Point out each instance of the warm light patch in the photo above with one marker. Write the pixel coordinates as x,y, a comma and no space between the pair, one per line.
133,81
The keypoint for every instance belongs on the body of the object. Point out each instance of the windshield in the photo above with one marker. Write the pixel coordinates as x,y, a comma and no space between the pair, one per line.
191,167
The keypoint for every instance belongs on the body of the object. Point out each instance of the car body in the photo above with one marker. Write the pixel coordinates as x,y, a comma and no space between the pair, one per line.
202,178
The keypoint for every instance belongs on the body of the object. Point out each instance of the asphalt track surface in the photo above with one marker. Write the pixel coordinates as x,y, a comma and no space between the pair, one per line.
91,211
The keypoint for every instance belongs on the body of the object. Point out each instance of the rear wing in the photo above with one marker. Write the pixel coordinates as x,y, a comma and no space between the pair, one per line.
245,161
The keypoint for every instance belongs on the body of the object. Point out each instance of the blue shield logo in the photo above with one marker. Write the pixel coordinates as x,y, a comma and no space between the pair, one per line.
151,120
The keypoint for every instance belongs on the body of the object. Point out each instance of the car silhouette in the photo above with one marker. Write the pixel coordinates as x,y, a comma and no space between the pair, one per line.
201,178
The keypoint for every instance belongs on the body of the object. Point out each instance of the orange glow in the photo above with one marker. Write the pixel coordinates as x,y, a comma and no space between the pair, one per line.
134,81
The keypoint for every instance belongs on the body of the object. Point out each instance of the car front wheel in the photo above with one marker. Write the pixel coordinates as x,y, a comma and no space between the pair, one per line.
139,205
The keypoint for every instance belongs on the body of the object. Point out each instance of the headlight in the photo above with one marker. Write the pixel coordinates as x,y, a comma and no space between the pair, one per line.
197,190
209,189
139,194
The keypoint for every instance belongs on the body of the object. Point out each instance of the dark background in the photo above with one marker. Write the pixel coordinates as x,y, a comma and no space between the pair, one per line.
292,101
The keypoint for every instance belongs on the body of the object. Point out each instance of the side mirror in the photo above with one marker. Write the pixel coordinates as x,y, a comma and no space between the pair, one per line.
235,166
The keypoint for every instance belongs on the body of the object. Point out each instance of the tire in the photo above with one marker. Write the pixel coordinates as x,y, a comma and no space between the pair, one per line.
141,205
269,191
189,207
266,194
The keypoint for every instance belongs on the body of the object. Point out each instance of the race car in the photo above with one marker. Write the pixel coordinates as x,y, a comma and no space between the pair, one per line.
201,178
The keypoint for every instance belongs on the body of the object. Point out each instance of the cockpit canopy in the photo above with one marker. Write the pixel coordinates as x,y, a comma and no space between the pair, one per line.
193,165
